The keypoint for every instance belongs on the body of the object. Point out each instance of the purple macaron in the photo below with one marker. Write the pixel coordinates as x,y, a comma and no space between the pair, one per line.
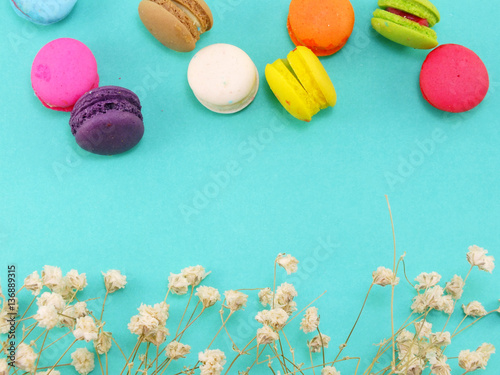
107,120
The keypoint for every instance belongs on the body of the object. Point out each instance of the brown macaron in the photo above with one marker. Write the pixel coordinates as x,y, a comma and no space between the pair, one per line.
177,24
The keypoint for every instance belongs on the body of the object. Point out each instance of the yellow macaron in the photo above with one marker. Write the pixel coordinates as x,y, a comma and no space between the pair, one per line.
301,83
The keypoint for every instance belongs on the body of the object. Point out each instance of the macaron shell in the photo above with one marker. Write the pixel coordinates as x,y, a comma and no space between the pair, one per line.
287,89
43,12
453,78
165,27
324,26
408,33
62,71
223,78
420,8
201,11
313,76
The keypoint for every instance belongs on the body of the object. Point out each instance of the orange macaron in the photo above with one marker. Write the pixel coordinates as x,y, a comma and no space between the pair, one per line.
323,26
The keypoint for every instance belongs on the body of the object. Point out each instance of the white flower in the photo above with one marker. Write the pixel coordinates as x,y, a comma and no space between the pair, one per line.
178,284
410,365
276,318
52,372
69,315
288,262
427,280
478,359
432,298
52,277
406,344
83,361
51,299
159,311
176,350
4,367
213,361
25,357
235,300
318,342
439,365
266,335
85,329
114,280
157,336
474,309
423,328
103,342
285,294
440,339
266,297
207,295
329,370
477,257
310,322
75,280
33,283
384,276
47,317
150,323
194,275
455,287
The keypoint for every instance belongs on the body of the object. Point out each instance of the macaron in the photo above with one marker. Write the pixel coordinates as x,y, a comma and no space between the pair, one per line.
223,78
177,24
407,22
43,12
301,84
453,78
324,26
107,120
62,71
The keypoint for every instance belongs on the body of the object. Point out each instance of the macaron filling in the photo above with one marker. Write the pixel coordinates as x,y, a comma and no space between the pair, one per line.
404,22
173,8
408,16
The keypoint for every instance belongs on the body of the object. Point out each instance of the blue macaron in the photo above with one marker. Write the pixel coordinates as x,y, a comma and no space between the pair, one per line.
43,12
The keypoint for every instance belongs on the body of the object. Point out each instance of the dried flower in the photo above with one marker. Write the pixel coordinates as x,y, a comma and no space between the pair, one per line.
384,276
103,342
25,357
114,280
194,275
446,304
85,329
176,350
439,365
455,287
288,262
432,298
213,361
266,297
329,370
477,257
47,317
266,335
235,300
157,336
285,294
423,328
474,309
427,280
471,361
83,361
150,323
318,342
75,280
207,295
48,372
33,283
52,277
51,299
69,315
158,311
440,339
4,368
178,284
276,318
4,322
310,322
410,365
406,344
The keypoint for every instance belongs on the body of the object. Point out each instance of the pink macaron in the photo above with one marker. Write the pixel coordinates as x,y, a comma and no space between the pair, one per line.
453,78
63,70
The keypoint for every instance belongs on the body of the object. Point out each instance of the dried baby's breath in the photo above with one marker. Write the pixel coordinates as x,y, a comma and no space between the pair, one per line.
213,361
33,283
266,297
477,257
114,280
475,309
266,335
176,350
194,275
427,280
25,357
288,262
83,361
85,329
329,370
384,276
318,342
235,300
310,322
207,295
455,287
178,284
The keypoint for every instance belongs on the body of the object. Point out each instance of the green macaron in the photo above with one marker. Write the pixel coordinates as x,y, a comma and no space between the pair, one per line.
407,22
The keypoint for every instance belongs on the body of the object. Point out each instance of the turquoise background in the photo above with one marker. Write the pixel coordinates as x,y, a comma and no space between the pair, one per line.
229,192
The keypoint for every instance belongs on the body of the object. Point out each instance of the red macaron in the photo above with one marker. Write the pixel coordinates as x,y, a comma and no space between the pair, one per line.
453,78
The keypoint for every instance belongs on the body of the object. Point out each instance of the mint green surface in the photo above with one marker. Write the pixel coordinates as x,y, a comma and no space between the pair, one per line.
230,192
